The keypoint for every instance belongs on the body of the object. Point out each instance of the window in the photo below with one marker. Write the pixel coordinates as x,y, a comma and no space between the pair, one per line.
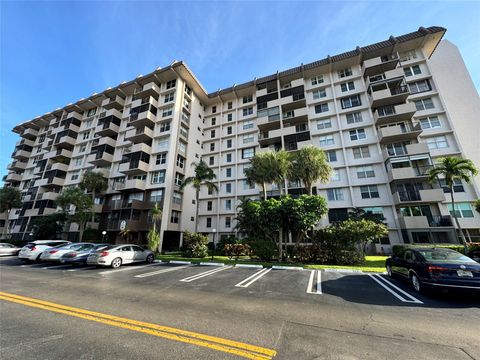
83,148
175,218
183,131
357,134
228,188
248,111
331,155
230,105
209,205
317,80
345,72
182,147
210,190
348,86
247,185
86,135
318,94
437,142
326,140
457,186
212,147
158,177
186,103
214,121
424,104
178,179
365,172
354,117
177,198
229,117
248,153
324,124
228,172
163,142
78,161
361,152
180,161
228,158
92,112
229,130
229,143
335,194
169,97
248,139
351,101
420,86
462,210
335,176
75,175
430,122
320,108
248,124
228,204
214,109
156,195
369,192
165,126
212,133
171,84
228,221
211,160
247,99
373,210
413,70
167,112
209,222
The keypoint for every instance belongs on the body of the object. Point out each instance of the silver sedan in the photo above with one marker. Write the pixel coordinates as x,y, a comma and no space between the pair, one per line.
117,255
8,249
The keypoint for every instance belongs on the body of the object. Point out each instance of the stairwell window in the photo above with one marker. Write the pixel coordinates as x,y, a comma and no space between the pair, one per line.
164,126
178,179
430,122
209,205
180,161
437,142
228,172
424,104
175,218
228,188
369,192
211,160
412,70
351,101
177,198
229,117
228,204
357,134
167,112
171,84
335,195
228,158
209,222
169,97
247,99
228,221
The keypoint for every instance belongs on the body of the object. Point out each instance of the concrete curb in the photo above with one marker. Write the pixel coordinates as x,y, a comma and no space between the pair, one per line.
253,266
298,268
179,262
157,261
212,264
346,271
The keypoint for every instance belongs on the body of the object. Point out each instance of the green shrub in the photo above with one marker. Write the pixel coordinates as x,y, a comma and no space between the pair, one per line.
236,250
92,235
195,245
227,240
263,249
153,240
398,249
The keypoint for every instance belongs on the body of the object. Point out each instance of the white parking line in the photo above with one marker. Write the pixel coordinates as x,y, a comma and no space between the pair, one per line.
83,268
252,278
318,290
54,266
8,257
391,290
206,273
152,273
127,268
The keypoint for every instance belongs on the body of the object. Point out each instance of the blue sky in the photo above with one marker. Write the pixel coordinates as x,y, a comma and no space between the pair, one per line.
54,53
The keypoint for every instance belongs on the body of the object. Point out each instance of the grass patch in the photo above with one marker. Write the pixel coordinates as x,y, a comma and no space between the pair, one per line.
372,263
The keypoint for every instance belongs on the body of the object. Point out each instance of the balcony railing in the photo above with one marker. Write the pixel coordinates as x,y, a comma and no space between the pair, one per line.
399,90
409,196
440,220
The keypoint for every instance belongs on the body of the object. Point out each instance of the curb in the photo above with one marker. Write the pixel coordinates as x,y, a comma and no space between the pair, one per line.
298,268
347,271
212,264
157,261
253,266
180,262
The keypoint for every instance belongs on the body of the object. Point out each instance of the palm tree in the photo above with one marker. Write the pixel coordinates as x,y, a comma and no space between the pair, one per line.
10,197
310,165
260,172
203,176
93,182
156,216
477,205
453,168
83,206
280,167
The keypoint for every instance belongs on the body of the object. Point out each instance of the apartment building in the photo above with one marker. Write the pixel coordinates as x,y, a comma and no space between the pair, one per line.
383,113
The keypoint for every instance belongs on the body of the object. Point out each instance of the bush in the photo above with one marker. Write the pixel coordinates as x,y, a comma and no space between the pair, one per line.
236,250
92,235
263,249
397,249
227,240
153,240
195,245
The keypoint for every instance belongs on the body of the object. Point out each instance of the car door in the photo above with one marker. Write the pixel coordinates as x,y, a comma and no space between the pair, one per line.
127,254
139,254
408,262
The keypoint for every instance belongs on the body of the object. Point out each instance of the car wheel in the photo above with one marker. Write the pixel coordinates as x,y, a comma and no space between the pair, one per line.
417,286
150,259
38,258
389,271
116,263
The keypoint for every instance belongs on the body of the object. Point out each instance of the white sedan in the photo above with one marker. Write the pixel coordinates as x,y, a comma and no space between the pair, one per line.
33,250
54,254
116,255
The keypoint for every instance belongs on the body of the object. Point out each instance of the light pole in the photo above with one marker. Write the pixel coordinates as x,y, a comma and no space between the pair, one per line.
103,235
214,231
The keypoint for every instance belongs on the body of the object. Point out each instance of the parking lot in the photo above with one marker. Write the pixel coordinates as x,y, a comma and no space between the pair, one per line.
330,286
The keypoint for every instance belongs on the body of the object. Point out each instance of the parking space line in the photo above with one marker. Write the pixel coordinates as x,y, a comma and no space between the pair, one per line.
8,257
54,266
152,273
206,273
83,268
391,290
127,268
318,285
252,278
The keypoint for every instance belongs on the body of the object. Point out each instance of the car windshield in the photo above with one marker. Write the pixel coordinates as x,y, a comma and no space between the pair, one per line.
6,245
103,247
444,255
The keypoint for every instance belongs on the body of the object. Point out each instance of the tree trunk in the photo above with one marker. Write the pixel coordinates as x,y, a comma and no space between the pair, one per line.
280,247
81,229
462,236
309,188
197,195
160,241
264,187
93,207
7,221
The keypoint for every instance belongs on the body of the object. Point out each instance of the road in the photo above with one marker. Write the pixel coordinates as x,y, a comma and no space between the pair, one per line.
166,311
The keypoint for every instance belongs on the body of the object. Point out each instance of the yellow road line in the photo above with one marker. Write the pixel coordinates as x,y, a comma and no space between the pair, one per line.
233,347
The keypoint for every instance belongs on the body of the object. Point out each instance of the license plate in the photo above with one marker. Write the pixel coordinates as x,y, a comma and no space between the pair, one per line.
464,273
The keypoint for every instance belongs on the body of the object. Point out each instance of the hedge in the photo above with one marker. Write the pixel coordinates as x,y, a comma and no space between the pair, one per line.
457,247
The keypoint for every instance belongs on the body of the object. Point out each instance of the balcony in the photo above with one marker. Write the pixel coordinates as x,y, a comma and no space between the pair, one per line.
65,142
13,178
133,184
59,155
386,76
379,64
394,113
389,96
128,204
139,147
139,135
100,159
25,142
295,116
406,173
107,129
115,102
17,165
410,149
424,222
399,133
21,155
30,134
142,101
50,182
73,115
133,168
105,140
420,196
50,195
57,166
150,89
143,119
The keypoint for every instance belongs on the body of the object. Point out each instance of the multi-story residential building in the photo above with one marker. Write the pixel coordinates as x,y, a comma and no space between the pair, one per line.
383,113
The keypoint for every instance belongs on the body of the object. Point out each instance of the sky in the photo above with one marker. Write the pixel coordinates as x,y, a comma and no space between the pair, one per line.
55,52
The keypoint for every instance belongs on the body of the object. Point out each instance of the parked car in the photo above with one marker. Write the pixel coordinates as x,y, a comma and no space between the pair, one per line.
33,250
435,268
120,254
79,256
54,254
8,249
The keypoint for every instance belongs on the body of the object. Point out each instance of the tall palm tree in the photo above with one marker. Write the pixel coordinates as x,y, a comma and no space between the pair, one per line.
310,165
203,177
10,198
453,168
260,172
280,167
94,183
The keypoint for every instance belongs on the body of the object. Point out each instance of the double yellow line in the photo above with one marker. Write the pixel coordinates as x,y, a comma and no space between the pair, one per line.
211,342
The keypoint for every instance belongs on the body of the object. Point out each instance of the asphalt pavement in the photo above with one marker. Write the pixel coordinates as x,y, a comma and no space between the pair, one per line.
50,311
